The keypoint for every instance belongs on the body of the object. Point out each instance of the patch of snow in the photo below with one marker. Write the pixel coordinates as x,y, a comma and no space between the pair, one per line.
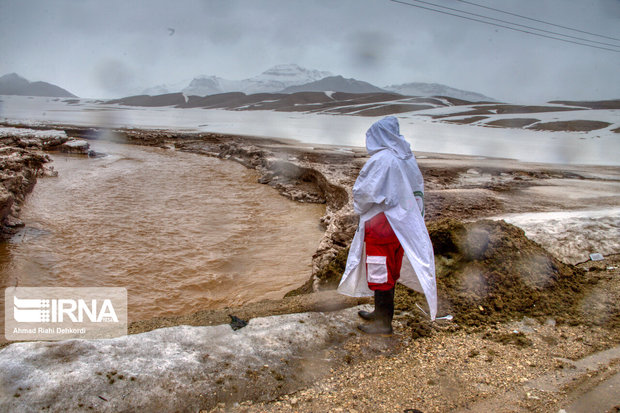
603,115
572,236
168,369
444,110
77,144
31,133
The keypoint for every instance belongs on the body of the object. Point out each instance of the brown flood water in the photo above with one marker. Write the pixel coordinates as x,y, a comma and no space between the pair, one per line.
182,232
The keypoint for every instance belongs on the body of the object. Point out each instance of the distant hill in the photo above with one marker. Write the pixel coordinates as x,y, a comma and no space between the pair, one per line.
436,89
13,84
335,84
328,102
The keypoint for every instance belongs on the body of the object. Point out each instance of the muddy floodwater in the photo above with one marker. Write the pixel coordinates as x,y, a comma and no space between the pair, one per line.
181,231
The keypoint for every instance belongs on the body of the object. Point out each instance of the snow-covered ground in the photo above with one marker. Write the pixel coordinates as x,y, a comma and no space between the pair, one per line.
31,133
605,115
137,372
572,235
599,147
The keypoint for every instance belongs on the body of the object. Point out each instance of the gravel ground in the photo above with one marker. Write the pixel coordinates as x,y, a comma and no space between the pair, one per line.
455,368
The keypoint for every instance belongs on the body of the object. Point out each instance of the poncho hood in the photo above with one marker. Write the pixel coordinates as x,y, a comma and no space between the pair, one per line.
385,134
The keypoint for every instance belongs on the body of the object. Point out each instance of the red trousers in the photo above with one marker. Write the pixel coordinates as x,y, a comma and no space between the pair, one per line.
384,254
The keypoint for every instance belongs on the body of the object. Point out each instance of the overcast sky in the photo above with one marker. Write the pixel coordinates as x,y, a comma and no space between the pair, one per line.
112,48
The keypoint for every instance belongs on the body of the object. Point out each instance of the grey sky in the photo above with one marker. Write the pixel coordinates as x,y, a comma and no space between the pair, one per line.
113,48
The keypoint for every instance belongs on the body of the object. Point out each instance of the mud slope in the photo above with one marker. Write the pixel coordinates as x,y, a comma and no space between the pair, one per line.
489,271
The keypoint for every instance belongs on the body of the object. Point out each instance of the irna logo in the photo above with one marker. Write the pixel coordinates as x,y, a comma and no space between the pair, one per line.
61,313
29,310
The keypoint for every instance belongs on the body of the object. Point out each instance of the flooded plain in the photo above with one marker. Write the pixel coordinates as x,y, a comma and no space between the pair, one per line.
182,232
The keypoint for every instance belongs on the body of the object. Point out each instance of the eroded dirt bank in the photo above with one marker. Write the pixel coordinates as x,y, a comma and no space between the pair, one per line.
22,160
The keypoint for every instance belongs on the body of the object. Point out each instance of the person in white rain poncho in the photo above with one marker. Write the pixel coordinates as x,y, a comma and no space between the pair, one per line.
391,243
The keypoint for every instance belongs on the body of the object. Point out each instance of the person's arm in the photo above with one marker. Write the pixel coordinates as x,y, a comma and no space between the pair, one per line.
370,187
381,183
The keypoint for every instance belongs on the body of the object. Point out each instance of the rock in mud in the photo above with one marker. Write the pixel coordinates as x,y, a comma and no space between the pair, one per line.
236,323
77,146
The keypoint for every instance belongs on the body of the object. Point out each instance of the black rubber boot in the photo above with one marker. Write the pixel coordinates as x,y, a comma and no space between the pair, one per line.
384,313
369,315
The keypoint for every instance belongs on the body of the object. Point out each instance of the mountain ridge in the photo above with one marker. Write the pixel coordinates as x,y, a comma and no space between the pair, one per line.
14,84
292,78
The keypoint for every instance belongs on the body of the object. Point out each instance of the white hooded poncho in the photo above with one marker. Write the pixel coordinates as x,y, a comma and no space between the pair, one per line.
391,182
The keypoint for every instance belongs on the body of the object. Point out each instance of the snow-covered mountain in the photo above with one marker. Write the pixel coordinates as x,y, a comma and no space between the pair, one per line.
335,84
291,78
282,76
436,89
272,80
14,84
